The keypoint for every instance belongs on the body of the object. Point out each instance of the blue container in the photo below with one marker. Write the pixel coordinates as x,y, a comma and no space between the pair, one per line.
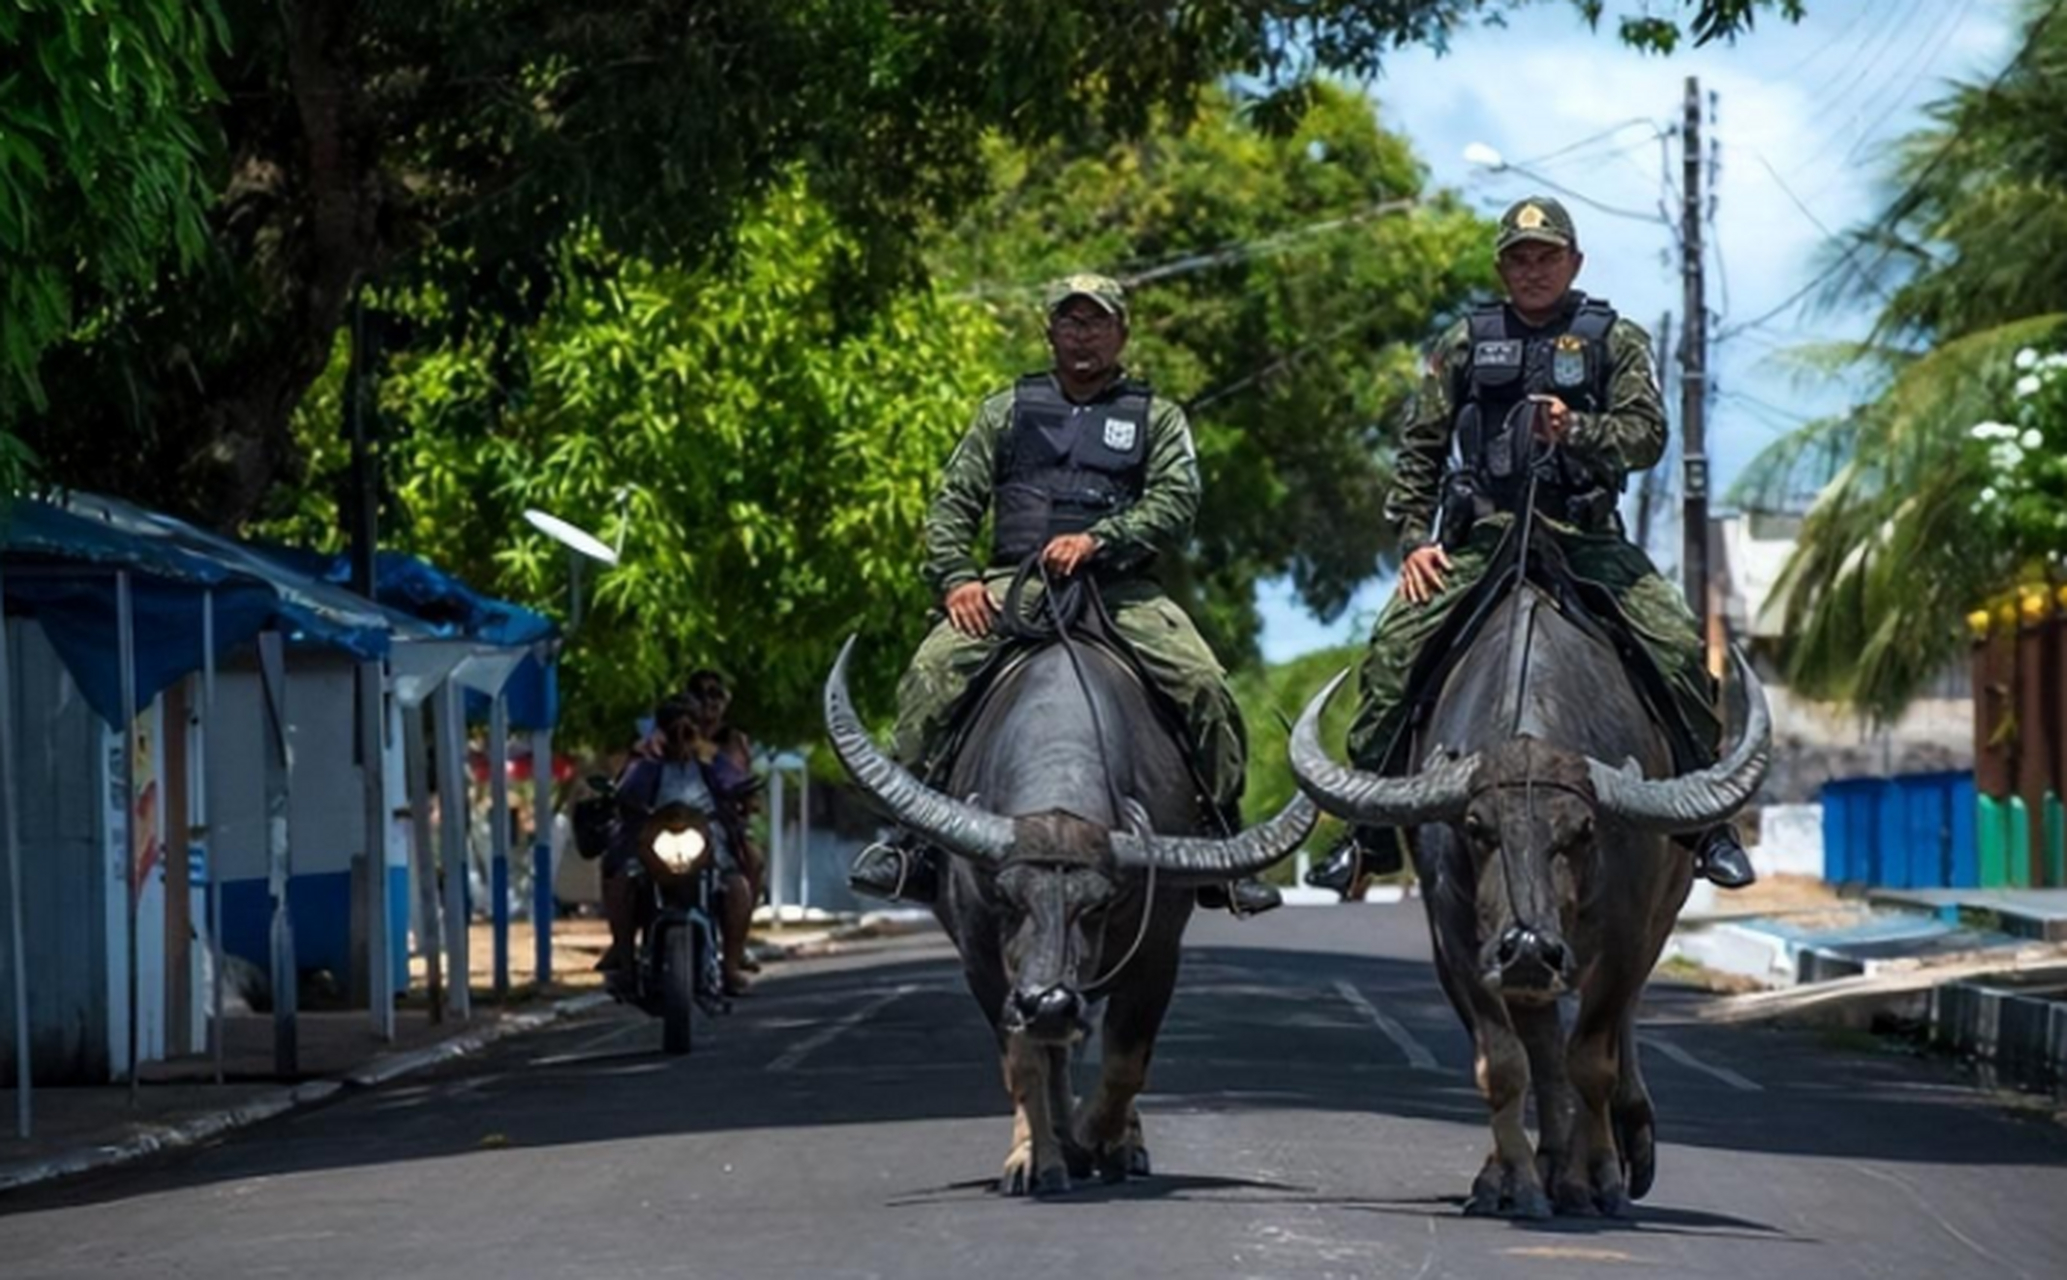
1911,832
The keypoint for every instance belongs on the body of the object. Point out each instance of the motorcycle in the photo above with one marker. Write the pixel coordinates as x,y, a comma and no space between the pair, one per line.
677,968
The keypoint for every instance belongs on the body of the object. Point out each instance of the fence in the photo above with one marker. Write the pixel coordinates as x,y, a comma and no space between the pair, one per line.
2020,738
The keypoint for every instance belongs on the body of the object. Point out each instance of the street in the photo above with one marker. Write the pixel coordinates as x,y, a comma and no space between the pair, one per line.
1310,1114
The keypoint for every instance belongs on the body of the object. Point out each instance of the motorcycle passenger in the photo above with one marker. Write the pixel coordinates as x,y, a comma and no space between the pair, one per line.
688,769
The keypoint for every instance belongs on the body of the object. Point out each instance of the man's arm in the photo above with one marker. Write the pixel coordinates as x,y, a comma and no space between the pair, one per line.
955,517
1169,496
1424,448
1630,435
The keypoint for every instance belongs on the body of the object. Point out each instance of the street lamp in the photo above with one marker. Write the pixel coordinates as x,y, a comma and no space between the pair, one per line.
1481,156
580,544
1478,153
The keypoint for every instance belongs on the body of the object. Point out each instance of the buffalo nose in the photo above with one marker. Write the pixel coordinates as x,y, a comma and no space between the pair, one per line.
1523,950
1048,1007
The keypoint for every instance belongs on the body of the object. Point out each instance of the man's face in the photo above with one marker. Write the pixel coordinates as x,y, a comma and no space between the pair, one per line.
711,701
1086,338
1537,274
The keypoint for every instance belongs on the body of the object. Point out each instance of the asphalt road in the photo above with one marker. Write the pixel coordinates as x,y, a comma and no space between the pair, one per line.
1311,1114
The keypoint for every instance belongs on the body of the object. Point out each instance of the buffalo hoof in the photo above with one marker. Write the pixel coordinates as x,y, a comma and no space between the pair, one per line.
1023,1178
1081,1162
1499,1192
1575,1200
1121,1162
1614,1202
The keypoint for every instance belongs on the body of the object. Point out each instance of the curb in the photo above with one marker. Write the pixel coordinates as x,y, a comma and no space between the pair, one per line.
200,1129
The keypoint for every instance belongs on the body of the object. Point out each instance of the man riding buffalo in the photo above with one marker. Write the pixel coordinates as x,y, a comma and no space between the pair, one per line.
1548,367
1092,471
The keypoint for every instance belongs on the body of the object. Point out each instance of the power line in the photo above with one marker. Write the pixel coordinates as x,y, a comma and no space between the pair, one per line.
1905,204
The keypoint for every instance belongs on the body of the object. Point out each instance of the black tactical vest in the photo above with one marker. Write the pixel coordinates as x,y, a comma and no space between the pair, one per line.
1508,363
1062,467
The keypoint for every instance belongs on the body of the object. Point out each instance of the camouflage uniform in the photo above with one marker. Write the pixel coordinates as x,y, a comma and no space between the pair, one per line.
1628,436
1176,656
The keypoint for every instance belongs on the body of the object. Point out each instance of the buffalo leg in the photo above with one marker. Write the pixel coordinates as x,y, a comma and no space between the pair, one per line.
1509,1183
1109,1126
1035,1165
1543,1035
1594,1181
1636,1120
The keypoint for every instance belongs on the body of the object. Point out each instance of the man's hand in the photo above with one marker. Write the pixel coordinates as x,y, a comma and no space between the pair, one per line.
971,609
1421,576
1553,419
1062,555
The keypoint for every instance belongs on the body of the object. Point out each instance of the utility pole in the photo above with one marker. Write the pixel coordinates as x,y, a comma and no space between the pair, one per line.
1651,489
1693,388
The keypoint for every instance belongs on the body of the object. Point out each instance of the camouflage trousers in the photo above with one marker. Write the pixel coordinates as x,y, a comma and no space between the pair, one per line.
1171,649
1655,609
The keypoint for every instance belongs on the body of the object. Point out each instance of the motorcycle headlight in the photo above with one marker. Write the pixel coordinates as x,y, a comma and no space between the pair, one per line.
680,850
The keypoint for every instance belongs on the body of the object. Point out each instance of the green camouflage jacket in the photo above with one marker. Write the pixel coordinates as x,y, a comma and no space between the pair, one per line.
1127,539
1630,436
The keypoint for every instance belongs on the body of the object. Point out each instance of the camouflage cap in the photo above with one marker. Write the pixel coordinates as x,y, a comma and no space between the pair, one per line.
1103,290
1537,218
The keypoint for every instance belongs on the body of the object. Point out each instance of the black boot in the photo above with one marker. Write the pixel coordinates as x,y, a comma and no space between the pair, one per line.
1720,859
894,869
1362,851
1250,897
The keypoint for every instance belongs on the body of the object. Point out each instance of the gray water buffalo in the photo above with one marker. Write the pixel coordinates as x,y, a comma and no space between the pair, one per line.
1070,816
1543,806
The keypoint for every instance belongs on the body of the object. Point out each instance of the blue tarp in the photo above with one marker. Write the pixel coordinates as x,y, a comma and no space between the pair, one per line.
428,593
310,610
173,563
61,570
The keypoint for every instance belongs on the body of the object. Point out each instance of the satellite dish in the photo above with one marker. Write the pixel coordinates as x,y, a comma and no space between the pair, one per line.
573,537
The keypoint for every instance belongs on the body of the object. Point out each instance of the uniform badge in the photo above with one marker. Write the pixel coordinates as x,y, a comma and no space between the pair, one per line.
1119,434
1568,362
1499,353
1529,218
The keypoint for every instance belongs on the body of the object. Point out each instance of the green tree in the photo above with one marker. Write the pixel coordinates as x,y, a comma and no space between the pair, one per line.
775,462
102,174
464,145
1284,273
1968,264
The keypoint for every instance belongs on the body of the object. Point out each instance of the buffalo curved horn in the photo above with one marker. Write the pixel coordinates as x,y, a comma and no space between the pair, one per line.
1435,794
940,820
1229,858
1695,801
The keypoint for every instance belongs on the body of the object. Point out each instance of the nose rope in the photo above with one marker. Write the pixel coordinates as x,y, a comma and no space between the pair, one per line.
1526,625
1112,786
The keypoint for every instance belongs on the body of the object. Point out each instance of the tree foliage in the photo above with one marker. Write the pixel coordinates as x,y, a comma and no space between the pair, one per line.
766,466
1283,280
463,145
1968,261
102,161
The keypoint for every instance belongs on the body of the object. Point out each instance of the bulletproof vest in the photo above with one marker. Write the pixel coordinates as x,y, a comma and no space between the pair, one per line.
1062,467
1507,364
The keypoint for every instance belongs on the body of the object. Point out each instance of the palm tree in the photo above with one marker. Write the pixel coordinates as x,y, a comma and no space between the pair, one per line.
1968,264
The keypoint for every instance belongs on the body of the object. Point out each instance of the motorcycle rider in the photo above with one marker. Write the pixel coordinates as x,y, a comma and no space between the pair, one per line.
688,769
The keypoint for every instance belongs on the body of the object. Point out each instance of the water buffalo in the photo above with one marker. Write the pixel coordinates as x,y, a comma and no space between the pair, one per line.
1071,882
1543,808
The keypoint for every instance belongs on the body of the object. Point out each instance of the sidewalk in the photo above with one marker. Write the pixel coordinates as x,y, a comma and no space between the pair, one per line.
178,1103
1983,973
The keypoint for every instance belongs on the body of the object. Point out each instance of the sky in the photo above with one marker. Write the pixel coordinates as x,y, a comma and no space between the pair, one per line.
1804,116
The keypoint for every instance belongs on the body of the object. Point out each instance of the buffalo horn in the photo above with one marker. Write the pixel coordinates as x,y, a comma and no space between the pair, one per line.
938,819
1435,794
1695,801
1230,858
